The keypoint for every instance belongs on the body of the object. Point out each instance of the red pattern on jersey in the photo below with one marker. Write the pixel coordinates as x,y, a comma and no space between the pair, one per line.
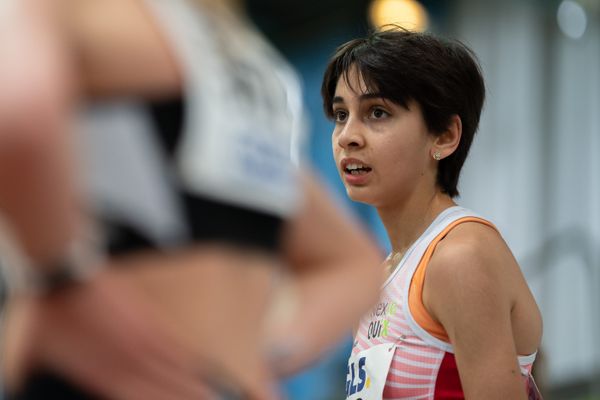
447,385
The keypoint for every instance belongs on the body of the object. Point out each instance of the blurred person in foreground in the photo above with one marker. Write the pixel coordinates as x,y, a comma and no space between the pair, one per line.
187,117
456,318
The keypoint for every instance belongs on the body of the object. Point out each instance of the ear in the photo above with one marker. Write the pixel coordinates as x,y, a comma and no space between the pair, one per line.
446,143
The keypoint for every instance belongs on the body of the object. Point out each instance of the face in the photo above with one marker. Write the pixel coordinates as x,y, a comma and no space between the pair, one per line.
382,150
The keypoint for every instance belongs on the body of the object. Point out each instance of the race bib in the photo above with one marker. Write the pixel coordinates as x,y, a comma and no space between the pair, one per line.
367,372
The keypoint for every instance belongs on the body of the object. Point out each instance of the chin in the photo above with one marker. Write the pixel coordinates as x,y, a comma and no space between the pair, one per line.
360,195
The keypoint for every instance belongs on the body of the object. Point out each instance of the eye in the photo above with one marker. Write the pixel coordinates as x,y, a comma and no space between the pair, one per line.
378,113
340,115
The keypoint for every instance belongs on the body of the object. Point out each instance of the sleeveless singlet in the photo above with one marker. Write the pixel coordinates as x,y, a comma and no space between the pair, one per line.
400,352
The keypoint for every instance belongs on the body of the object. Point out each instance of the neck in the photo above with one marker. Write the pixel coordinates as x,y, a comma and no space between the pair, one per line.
406,221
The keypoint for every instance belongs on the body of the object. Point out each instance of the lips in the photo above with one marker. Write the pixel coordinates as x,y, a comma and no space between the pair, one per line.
355,171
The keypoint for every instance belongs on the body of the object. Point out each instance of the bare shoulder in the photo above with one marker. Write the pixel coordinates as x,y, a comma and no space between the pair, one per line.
473,276
121,47
472,269
474,251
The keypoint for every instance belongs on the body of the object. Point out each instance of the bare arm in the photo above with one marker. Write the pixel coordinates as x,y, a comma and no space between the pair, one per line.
49,51
336,278
467,288
36,175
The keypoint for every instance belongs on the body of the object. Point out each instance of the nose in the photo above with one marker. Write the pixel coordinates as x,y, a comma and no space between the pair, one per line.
351,135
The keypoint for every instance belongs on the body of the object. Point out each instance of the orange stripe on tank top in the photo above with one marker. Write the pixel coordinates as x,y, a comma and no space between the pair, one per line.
415,294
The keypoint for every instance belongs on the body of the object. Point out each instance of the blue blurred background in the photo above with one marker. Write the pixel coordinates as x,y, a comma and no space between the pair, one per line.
534,168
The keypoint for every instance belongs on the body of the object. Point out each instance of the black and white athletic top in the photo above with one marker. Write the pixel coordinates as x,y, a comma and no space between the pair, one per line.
215,164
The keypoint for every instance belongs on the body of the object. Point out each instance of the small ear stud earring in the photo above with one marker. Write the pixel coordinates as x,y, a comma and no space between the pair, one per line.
437,156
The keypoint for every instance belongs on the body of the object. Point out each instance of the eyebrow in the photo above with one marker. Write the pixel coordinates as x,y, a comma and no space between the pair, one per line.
362,97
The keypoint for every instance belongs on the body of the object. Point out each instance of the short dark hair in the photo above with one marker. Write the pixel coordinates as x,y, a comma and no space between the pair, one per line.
441,75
